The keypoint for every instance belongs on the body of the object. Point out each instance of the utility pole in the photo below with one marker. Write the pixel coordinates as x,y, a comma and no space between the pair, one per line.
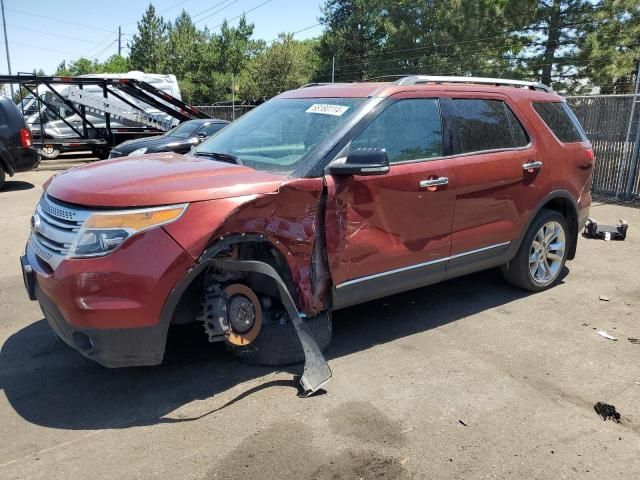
333,69
6,45
233,96
627,157
119,40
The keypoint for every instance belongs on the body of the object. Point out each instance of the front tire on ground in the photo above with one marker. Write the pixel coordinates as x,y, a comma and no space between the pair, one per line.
278,344
542,254
2,178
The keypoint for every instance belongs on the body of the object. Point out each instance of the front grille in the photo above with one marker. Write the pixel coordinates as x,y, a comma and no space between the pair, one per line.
54,229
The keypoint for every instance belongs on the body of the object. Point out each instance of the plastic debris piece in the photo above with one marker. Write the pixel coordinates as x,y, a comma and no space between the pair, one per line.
604,298
635,341
607,412
604,334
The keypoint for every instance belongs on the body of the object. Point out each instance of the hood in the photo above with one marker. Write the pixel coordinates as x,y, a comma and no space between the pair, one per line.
158,179
131,145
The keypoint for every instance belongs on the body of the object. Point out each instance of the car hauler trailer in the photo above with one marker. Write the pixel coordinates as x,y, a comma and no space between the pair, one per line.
97,112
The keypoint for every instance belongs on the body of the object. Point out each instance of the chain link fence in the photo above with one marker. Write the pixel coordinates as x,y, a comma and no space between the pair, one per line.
611,123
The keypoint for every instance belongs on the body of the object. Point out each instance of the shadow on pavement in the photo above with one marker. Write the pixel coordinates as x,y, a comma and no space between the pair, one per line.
16,186
49,384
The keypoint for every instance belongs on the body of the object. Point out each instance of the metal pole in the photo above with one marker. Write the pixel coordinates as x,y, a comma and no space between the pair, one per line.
625,159
6,45
233,97
333,69
119,40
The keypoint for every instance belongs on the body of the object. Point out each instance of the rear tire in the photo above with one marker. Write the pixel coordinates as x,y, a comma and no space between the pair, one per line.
278,344
2,178
541,257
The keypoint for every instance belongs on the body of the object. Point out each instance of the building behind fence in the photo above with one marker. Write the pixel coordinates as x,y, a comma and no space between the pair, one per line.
610,121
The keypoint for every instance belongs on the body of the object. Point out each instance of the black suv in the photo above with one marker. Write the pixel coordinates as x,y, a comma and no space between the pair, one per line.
16,154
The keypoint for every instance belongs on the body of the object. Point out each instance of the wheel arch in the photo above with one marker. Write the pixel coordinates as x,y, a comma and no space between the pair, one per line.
563,202
188,288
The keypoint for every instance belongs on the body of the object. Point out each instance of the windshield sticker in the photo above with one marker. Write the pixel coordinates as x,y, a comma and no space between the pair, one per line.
327,109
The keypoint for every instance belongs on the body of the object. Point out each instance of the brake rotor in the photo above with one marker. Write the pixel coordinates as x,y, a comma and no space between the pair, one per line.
244,314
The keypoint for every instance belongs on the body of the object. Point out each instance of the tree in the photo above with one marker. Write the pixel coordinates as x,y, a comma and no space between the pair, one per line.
611,50
113,64
149,46
557,27
285,65
456,37
355,31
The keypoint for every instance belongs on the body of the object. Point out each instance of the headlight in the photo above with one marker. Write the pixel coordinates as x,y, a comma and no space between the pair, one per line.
139,151
103,232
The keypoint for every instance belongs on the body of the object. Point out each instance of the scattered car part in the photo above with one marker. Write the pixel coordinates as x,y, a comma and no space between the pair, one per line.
604,334
607,412
606,232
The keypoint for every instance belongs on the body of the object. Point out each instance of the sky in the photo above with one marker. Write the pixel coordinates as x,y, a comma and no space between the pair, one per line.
42,33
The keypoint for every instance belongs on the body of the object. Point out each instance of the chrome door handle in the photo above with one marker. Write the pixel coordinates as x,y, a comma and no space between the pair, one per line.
537,165
434,182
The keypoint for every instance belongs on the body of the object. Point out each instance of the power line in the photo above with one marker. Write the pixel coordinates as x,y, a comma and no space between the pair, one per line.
100,44
241,15
77,39
46,17
295,33
211,8
46,49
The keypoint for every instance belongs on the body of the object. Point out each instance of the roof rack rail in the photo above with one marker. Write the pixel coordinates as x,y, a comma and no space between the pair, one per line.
317,84
415,79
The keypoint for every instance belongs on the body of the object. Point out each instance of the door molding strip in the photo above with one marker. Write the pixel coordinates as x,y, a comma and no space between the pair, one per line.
420,265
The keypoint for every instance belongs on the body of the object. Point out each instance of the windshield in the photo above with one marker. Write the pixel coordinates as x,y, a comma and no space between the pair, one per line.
277,135
184,130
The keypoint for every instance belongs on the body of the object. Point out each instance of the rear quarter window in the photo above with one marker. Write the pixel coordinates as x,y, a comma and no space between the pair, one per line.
482,124
561,121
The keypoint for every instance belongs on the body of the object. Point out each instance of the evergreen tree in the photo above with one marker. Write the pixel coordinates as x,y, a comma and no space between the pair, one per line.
149,46
611,47
557,27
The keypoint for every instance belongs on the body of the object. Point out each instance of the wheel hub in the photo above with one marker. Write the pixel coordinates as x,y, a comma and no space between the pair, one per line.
244,314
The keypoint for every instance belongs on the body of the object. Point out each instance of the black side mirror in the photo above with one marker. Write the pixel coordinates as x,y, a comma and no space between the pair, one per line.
363,161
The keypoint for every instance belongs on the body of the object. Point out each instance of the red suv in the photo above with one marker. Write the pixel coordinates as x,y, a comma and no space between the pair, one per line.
324,197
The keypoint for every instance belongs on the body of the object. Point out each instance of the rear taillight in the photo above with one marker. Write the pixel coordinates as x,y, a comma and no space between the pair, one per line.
26,138
590,155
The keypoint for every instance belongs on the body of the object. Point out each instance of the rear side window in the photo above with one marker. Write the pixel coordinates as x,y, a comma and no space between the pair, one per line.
212,128
561,120
480,125
407,130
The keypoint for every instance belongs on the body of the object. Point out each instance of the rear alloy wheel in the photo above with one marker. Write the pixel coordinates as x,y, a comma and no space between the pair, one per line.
546,255
542,254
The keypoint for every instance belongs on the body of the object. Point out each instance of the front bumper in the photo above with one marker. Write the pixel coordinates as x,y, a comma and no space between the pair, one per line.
109,308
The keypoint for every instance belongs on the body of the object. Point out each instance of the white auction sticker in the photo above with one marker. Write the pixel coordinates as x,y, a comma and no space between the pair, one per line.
327,109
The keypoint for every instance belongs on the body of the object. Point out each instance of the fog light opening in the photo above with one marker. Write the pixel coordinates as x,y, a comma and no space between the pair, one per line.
82,342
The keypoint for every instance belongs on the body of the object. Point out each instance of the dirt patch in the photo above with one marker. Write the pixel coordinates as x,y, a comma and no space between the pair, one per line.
366,423
361,465
287,450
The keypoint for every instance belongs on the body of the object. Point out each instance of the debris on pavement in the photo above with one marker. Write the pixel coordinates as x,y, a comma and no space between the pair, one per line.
604,298
635,341
606,232
607,412
604,334
462,423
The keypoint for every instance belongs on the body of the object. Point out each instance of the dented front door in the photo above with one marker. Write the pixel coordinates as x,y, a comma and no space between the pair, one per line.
392,232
